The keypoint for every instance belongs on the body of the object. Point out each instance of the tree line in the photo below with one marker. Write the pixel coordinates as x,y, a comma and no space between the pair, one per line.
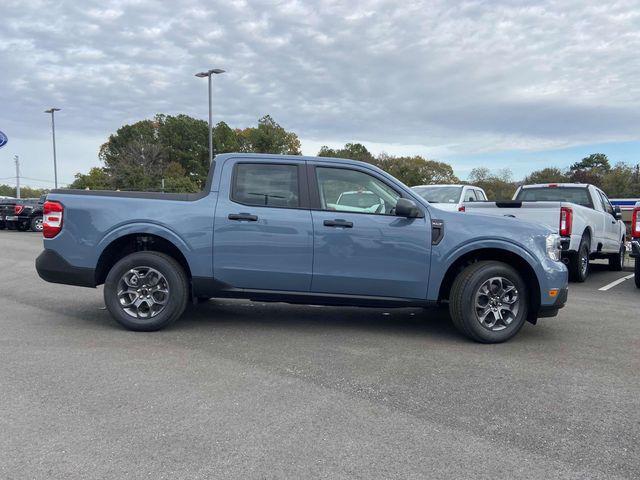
170,153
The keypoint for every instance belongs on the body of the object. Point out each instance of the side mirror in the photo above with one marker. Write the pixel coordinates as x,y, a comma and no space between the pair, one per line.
407,208
617,212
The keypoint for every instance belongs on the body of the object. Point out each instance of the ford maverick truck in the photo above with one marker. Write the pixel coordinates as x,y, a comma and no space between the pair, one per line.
301,230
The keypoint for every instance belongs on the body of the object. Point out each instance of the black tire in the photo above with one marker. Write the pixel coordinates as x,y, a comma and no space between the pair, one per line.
36,224
462,300
22,227
178,288
579,262
616,261
636,271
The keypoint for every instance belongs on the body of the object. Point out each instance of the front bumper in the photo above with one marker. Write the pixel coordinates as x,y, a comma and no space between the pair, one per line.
55,269
552,310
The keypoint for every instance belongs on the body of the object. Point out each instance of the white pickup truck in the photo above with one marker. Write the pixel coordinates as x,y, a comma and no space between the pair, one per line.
589,226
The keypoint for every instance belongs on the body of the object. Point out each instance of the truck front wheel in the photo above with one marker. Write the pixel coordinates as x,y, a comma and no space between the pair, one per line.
489,302
146,291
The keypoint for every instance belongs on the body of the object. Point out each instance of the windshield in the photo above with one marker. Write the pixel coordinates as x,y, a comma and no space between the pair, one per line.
439,194
577,195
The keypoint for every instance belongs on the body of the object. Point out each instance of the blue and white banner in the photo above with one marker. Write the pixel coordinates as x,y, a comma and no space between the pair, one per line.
3,139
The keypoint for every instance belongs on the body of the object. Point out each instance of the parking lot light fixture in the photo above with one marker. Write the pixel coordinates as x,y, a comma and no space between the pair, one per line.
208,74
52,111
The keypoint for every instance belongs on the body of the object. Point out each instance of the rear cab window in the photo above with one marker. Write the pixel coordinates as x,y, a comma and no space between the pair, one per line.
266,185
577,195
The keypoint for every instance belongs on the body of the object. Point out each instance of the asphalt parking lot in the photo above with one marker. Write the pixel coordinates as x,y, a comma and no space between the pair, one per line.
243,390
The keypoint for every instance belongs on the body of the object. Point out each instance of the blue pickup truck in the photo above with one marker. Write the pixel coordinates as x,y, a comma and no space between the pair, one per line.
272,228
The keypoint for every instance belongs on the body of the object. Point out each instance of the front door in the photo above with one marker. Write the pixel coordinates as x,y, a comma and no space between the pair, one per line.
360,246
263,237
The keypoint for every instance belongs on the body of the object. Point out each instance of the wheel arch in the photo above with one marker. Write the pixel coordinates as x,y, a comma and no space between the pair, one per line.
497,254
123,245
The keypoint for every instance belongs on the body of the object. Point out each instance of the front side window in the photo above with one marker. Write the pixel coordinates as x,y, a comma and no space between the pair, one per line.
480,196
346,190
606,204
266,185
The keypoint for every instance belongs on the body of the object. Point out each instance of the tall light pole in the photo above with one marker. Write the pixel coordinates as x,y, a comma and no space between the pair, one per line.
52,111
208,73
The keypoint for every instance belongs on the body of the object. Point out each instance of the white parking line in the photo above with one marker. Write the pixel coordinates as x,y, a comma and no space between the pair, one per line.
617,282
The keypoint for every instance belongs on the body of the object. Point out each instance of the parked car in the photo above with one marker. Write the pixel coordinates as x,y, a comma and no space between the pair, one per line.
28,216
263,229
635,242
582,214
450,197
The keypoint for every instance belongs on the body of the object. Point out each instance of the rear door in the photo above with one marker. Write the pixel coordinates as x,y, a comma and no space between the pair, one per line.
262,232
369,251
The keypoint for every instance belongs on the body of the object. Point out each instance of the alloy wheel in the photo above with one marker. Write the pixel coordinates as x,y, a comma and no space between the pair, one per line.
143,292
497,303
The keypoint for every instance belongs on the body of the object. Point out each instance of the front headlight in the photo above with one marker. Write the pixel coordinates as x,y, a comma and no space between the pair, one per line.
553,247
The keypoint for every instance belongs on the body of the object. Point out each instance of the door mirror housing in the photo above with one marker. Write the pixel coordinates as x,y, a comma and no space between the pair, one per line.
617,212
407,208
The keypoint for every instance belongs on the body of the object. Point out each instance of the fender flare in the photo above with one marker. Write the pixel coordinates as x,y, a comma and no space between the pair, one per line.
435,282
142,228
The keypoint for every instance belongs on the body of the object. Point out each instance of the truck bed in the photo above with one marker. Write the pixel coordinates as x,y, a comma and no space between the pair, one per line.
544,213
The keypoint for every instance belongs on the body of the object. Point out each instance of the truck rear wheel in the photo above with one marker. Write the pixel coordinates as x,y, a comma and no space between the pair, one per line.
636,272
579,263
616,261
146,291
489,302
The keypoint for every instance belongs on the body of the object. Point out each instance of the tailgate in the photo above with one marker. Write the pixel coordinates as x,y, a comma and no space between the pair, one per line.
544,213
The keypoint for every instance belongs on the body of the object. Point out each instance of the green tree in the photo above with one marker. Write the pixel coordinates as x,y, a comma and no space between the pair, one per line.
96,179
591,169
497,186
546,175
269,137
353,151
416,170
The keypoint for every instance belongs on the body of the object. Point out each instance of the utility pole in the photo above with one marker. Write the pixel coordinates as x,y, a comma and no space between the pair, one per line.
52,111
207,74
17,161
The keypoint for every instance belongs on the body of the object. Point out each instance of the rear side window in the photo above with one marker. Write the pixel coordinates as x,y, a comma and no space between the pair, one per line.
469,196
577,195
266,185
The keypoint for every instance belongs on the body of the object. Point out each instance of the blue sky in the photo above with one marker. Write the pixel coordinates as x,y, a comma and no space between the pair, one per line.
499,84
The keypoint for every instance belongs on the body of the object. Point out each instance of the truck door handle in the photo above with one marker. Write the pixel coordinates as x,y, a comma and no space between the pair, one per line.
247,217
338,223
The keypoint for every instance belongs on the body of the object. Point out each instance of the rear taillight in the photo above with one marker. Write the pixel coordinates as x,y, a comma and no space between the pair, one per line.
461,208
635,223
566,221
17,210
51,219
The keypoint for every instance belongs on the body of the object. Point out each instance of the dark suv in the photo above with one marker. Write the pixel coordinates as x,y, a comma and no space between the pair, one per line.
26,215
30,216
